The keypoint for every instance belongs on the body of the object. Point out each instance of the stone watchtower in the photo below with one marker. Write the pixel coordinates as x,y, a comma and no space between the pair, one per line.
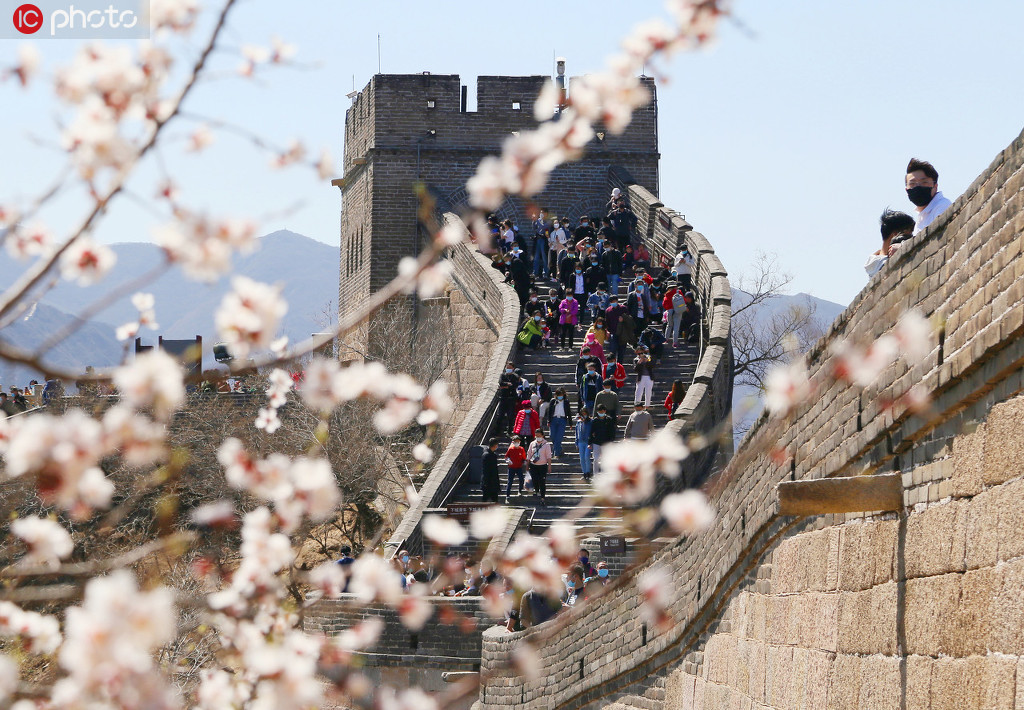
404,129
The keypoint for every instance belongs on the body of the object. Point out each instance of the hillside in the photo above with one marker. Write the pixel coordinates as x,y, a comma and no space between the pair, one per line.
308,269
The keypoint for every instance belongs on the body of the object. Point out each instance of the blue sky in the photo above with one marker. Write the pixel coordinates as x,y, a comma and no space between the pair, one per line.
790,135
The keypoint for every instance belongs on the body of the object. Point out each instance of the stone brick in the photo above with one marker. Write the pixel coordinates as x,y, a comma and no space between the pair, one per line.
932,544
856,558
969,461
919,682
1004,442
999,684
957,683
969,630
930,607
880,683
1010,505
982,546
845,682
1007,611
867,620
679,689
819,670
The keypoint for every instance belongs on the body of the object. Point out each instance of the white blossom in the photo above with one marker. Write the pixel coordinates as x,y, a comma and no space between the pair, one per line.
138,439
218,512
86,262
47,541
250,315
362,636
329,577
913,332
372,578
786,386
408,699
35,239
325,165
153,379
687,512
488,522
9,676
29,60
40,633
175,15
267,420
423,453
315,487
429,281
443,531
414,610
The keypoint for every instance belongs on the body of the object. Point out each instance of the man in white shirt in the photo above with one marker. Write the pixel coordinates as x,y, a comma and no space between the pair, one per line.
557,244
923,191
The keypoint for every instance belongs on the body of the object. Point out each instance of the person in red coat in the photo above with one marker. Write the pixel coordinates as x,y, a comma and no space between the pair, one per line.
527,421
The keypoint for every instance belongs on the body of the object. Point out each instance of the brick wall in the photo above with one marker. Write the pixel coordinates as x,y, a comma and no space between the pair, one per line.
968,272
487,347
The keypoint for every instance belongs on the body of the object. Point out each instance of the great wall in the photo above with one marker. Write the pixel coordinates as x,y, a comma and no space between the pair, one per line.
919,606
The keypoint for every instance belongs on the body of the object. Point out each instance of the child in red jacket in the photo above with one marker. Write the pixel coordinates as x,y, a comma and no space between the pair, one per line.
515,457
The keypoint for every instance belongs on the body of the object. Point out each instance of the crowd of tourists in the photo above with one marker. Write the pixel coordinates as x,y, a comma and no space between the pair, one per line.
581,271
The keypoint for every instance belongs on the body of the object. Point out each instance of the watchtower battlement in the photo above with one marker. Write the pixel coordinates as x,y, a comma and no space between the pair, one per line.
406,129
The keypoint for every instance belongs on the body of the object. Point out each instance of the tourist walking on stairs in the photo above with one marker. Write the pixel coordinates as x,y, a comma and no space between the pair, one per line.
539,457
583,422
515,459
644,369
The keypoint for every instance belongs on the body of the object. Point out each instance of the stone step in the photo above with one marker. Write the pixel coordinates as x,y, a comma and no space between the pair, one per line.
639,702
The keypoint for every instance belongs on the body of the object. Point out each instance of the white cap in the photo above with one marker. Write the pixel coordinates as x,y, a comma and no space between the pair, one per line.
616,192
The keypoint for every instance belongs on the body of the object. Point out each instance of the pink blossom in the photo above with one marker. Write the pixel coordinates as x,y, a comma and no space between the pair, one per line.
294,153
153,379
443,531
562,536
395,415
687,512
325,165
250,315
437,404
655,585
86,262
315,486
329,577
486,188
281,51
47,541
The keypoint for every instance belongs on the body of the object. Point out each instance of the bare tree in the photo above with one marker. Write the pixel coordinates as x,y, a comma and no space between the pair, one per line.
763,331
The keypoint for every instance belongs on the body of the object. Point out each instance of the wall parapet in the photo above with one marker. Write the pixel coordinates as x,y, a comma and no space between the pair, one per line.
496,302
707,407
967,272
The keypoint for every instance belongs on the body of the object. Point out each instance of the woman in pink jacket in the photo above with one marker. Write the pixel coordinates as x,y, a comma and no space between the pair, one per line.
569,310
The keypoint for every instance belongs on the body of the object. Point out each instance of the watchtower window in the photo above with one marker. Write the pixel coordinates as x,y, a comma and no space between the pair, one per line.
430,103
516,106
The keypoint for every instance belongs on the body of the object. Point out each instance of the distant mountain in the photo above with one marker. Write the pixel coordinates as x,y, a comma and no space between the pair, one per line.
308,270
746,400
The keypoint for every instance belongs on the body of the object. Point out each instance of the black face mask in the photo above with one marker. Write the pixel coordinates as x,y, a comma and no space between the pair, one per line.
920,195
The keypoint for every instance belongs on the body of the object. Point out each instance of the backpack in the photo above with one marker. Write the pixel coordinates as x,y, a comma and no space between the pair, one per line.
678,301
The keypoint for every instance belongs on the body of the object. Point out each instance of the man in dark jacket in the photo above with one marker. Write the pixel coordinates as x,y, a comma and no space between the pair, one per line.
490,483
612,262
602,431
508,383
519,274
594,274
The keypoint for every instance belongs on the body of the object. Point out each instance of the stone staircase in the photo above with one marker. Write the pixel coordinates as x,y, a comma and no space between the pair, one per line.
565,486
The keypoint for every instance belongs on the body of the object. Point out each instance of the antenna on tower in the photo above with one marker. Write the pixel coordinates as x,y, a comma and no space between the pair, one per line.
378,53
